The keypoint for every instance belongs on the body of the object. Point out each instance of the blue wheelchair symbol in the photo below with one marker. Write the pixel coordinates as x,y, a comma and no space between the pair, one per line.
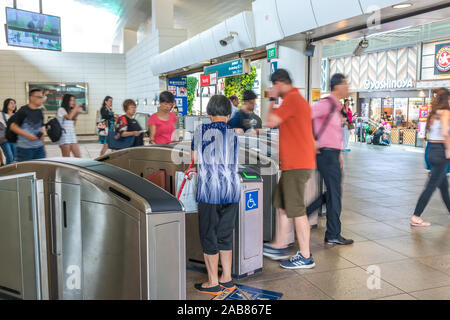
251,200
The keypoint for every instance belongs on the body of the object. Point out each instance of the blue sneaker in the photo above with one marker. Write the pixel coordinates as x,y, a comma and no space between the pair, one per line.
275,254
298,262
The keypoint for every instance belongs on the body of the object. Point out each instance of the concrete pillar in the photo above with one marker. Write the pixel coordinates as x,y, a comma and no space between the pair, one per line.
162,14
292,57
129,39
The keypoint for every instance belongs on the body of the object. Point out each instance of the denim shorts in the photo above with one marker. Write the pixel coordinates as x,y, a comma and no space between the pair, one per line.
30,154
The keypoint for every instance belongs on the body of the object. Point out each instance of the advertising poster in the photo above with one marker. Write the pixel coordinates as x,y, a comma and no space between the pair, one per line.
178,87
423,116
442,59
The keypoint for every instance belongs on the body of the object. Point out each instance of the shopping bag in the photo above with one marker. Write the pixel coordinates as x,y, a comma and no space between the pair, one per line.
188,194
101,129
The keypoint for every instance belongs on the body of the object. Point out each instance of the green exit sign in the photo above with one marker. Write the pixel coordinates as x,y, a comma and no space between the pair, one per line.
272,53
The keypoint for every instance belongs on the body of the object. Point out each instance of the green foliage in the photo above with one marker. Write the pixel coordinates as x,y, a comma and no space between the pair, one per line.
191,86
238,84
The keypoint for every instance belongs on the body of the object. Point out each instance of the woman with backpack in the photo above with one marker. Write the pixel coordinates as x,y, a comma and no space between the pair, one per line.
67,117
128,132
8,148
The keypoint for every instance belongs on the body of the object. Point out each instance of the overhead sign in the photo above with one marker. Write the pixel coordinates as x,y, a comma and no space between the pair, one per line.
272,51
178,87
209,79
229,68
442,59
273,67
388,84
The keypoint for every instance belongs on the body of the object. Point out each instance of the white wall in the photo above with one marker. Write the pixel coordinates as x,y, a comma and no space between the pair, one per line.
104,74
141,84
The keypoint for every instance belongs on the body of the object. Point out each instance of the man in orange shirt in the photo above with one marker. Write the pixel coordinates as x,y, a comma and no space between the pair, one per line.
297,161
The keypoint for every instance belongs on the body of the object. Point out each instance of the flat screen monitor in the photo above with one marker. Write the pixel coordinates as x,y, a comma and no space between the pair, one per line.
33,30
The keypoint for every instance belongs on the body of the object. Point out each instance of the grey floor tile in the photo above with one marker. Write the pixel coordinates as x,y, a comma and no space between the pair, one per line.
441,263
411,275
367,252
442,293
350,284
376,230
415,247
403,296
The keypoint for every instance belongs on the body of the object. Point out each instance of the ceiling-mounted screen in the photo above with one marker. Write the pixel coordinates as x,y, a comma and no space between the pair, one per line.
33,30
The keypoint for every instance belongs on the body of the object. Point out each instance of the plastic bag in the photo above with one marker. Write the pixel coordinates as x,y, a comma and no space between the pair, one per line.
188,195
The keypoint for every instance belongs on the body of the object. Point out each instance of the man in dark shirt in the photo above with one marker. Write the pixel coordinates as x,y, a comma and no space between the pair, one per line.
28,125
245,119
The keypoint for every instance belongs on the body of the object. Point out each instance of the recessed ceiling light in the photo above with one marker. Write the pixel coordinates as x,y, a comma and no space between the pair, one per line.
402,5
248,50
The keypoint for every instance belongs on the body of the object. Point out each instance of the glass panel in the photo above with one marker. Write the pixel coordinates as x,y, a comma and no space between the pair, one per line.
400,112
414,112
388,108
375,109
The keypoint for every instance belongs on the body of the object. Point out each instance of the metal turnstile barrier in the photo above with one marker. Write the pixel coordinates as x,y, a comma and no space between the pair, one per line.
248,241
82,229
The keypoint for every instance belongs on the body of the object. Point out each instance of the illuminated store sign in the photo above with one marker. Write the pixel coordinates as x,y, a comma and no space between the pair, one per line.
388,84
442,59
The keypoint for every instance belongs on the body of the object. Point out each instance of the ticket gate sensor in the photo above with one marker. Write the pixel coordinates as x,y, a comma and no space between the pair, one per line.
248,233
73,229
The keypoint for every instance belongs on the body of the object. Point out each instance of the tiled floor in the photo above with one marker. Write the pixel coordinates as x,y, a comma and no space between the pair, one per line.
381,187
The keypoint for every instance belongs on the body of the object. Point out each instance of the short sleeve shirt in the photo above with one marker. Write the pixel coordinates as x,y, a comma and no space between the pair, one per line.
31,121
217,149
164,129
297,149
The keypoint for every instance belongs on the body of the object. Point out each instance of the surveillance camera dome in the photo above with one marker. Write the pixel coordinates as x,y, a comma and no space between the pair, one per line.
223,43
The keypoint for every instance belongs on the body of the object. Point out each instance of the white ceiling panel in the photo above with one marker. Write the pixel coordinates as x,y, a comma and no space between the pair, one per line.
267,24
329,11
208,44
366,4
296,19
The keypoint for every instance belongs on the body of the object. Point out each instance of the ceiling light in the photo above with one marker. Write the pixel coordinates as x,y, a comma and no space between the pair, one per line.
248,50
402,5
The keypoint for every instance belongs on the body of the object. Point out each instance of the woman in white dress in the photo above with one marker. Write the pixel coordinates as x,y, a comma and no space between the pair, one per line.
67,116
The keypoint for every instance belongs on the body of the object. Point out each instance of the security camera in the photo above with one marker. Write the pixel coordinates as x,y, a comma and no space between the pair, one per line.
227,40
362,45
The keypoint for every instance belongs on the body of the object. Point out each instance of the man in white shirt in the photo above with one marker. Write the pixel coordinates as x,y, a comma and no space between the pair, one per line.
234,105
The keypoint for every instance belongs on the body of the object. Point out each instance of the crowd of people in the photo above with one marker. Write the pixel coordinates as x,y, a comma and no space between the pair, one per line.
319,133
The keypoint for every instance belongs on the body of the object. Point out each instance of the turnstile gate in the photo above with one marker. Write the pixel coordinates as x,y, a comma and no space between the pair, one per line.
94,231
248,241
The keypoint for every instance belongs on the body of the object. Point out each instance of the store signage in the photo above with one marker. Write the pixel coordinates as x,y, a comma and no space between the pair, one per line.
442,59
388,84
272,52
273,67
208,79
423,117
178,87
230,68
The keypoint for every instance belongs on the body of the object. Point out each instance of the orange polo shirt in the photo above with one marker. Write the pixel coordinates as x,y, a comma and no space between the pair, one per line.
296,140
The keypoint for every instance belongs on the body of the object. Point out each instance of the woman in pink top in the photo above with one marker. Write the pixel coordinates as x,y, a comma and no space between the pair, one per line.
162,123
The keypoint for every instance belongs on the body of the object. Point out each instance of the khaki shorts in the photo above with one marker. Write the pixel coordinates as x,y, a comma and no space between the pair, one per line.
290,192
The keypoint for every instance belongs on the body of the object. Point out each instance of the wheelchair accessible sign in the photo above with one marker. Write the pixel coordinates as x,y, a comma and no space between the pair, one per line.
251,200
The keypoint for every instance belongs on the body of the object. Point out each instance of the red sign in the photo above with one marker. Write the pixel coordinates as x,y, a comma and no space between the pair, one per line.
209,79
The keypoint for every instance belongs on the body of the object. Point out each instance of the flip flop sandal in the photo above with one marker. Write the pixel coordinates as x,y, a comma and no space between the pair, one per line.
421,224
227,285
215,291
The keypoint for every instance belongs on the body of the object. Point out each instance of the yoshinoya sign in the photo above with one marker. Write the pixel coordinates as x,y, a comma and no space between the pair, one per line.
442,59
388,84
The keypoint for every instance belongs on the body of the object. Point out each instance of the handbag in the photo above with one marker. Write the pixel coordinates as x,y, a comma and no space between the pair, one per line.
188,195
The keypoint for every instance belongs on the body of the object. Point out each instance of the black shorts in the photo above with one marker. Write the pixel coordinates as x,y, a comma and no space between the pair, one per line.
216,225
